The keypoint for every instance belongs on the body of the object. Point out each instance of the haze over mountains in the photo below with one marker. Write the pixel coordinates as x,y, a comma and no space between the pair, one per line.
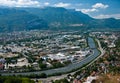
55,18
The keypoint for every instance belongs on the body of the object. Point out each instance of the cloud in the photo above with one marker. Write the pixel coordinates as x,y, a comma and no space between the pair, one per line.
101,16
88,10
61,4
100,5
46,4
20,3
94,8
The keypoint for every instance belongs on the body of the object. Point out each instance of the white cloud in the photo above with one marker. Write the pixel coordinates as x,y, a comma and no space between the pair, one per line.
94,8
61,4
101,16
20,3
87,10
100,5
77,9
46,3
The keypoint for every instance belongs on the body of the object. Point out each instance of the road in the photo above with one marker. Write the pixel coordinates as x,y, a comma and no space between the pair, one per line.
69,67
46,80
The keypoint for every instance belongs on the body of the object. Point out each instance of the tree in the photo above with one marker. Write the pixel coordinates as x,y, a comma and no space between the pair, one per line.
61,81
12,79
43,75
42,66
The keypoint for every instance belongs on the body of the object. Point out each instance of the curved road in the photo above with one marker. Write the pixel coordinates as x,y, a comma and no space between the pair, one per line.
68,68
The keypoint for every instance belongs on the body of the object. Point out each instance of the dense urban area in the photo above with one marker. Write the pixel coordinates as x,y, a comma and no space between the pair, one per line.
29,51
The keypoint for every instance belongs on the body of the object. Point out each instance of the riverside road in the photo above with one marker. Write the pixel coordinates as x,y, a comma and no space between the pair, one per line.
70,67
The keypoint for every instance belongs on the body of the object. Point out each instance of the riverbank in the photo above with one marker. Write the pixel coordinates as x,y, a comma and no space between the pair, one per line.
69,68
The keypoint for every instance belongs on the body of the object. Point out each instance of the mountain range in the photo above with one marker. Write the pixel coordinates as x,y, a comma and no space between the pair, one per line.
50,18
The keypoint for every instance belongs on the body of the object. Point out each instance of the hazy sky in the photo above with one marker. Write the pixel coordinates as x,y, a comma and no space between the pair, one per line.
94,8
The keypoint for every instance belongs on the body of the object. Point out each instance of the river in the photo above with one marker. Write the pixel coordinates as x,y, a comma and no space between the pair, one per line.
68,68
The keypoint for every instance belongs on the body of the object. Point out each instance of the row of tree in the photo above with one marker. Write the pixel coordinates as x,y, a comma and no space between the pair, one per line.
12,79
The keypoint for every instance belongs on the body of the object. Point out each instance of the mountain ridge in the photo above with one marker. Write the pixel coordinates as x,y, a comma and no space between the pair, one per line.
55,18
18,20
